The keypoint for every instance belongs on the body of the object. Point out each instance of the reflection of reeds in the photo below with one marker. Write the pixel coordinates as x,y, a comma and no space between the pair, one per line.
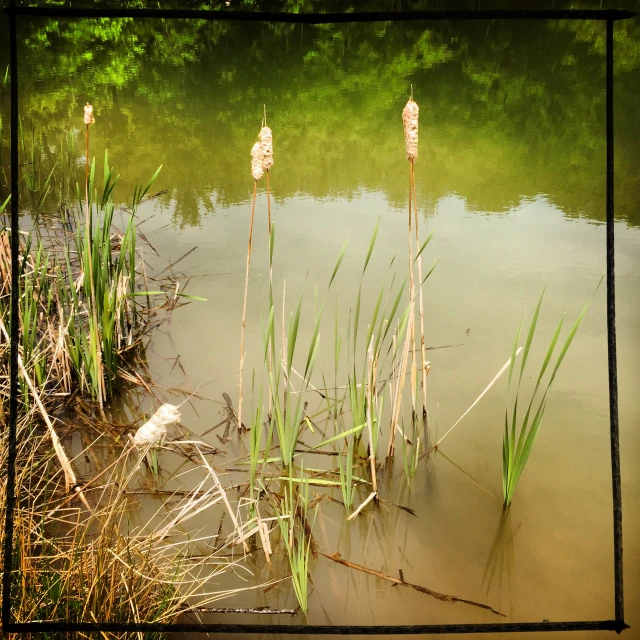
500,561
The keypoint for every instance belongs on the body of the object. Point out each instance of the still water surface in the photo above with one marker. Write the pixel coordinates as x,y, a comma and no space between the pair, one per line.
511,179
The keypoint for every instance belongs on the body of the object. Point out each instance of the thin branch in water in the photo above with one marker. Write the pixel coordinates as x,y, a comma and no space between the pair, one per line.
336,557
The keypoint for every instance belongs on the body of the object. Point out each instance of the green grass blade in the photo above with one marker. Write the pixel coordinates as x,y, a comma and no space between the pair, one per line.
371,245
424,246
344,434
338,262
435,264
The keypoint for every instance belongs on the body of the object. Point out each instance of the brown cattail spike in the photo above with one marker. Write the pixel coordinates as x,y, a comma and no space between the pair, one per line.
88,114
410,121
256,162
266,142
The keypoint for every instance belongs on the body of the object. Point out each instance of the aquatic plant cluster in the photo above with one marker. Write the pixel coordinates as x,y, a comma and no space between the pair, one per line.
82,333
383,352
84,320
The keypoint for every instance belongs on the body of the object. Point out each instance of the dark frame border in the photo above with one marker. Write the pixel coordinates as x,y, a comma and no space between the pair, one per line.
617,624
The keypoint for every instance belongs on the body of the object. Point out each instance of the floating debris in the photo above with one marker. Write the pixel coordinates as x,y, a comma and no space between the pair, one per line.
155,429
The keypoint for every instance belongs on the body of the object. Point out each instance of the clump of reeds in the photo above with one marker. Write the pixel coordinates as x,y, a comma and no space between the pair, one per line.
71,565
291,512
79,319
519,438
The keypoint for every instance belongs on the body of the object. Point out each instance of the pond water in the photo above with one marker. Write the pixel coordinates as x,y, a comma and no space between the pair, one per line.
510,179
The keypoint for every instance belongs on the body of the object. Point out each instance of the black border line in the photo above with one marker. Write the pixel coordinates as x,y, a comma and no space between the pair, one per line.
13,367
327,18
618,624
611,340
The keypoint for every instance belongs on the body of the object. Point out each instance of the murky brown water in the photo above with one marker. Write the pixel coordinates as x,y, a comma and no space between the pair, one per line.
510,178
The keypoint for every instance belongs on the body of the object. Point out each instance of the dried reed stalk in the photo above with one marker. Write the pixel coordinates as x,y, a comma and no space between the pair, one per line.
398,386
371,394
410,122
223,495
257,173
71,481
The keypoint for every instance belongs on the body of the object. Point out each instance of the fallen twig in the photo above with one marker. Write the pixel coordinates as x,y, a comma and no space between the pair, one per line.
336,557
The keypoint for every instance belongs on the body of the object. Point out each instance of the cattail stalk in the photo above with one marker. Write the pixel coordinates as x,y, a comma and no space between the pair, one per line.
257,173
89,119
266,146
425,364
412,292
371,394
410,120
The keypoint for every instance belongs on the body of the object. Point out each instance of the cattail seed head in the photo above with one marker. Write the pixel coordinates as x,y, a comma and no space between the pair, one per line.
256,162
88,114
410,121
266,142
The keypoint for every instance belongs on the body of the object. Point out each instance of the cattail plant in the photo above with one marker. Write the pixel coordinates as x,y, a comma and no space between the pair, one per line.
266,145
95,336
410,120
257,172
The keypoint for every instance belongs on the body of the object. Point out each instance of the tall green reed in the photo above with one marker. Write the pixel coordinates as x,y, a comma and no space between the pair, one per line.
287,400
101,325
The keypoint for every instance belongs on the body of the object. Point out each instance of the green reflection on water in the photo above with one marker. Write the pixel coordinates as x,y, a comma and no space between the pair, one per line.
508,109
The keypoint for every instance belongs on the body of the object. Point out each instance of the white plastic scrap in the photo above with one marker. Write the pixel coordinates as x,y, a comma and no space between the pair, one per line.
154,429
